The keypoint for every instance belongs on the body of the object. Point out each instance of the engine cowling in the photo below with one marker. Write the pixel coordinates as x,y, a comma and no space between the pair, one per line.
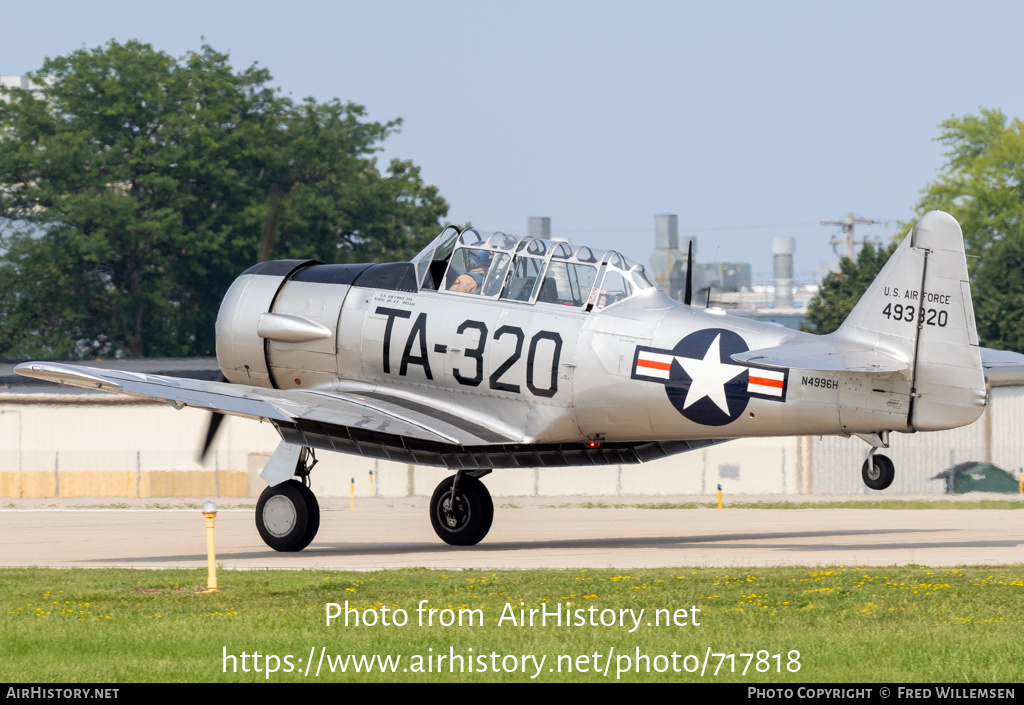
278,323
241,351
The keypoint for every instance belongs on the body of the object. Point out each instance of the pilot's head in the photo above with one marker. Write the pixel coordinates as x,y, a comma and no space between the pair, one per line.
481,260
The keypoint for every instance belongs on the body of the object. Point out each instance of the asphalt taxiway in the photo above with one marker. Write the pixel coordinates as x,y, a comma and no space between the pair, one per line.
527,533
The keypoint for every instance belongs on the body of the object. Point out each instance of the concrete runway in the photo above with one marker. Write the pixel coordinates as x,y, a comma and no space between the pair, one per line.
527,533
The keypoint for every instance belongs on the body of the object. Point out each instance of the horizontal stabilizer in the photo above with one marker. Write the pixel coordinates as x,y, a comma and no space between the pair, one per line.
1000,358
823,355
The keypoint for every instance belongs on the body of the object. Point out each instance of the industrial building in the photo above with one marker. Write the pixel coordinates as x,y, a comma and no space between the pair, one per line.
728,285
14,81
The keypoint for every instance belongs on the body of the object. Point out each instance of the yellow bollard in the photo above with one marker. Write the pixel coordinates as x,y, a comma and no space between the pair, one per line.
1020,481
719,496
210,513
371,483
352,495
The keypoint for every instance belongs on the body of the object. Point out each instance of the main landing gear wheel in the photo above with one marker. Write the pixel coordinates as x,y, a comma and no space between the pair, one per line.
462,519
287,516
878,472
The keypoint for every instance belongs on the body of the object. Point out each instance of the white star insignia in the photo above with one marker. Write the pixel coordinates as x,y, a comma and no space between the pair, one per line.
709,376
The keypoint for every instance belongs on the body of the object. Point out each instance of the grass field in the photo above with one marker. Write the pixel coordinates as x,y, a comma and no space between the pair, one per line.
907,624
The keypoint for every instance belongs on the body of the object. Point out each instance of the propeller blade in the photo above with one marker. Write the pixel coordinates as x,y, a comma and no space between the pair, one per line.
688,290
216,418
211,432
266,247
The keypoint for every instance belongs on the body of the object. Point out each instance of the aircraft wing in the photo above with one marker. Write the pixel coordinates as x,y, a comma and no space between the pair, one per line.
823,355
372,412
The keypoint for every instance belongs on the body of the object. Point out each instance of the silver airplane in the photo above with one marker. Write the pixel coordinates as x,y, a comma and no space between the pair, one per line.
490,351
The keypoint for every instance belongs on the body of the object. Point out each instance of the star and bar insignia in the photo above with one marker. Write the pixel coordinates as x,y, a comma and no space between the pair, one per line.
702,380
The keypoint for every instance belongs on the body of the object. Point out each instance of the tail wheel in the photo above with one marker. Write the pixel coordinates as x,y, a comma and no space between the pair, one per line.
878,472
287,516
464,517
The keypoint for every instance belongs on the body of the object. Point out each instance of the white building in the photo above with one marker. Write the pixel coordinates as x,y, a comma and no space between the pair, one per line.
22,82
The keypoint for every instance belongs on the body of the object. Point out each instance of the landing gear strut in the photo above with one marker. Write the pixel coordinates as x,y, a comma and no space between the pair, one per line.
461,510
288,515
878,472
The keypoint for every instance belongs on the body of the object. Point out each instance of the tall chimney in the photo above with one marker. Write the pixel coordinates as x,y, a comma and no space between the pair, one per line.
666,232
782,253
666,258
539,228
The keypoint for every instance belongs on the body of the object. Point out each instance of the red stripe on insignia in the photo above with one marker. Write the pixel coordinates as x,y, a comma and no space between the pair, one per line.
766,382
653,364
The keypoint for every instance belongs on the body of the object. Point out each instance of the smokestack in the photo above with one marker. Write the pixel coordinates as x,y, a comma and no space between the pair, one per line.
782,253
666,232
666,259
539,228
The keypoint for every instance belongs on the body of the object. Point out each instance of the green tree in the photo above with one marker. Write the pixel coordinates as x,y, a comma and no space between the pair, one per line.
982,182
134,187
840,291
998,294
982,186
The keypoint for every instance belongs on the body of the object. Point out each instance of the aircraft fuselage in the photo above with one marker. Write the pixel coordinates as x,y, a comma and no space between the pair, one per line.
642,369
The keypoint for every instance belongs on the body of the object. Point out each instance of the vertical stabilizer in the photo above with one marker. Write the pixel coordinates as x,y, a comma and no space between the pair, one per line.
919,310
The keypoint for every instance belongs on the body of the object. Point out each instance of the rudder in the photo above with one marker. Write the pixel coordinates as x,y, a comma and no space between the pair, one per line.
919,309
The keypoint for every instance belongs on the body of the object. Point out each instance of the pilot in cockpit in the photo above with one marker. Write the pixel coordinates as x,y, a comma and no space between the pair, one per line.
472,281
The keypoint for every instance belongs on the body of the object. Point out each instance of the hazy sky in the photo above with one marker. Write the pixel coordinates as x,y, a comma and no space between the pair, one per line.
748,120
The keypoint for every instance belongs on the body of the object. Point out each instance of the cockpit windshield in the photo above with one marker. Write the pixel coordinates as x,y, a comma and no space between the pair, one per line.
476,270
529,270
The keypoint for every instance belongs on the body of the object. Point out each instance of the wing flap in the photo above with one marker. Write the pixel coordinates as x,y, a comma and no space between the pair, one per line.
389,416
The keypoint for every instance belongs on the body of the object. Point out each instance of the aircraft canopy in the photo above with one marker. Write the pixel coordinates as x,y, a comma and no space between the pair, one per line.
527,269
